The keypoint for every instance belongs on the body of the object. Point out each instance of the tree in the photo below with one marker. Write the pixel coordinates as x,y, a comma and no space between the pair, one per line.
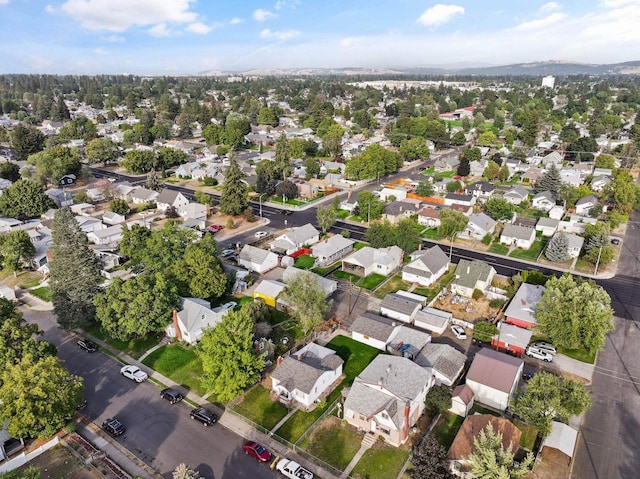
374,162
139,161
575,314
203,198
201,272
80,128
624,192
551,180
369,206
463,167
185,472
491,171
491,460
407,236
452,222
312,167
471,154
414,149
603,255
120,207
499,208
326,217
380,234
24,199
430,461
233,200
558,248
153,181
332,140
16,248
10,171
55,162
102,151
229,360
504,173
75,272
438,399
26,140
454,186
140,305
606,161
308,300
268,116
38,397
488,138
287,189
425,188
550,397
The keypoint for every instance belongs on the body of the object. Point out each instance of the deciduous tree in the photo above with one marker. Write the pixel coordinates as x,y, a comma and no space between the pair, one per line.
430,460
380,234
425,188
102,151
499,208
16,249
287,189
369,206
326,217
200,270
407,235
308,300
452,222
24,199
55,162
120,207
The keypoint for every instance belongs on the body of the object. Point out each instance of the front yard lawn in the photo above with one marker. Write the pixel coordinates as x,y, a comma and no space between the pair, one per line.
304,262
499,248
431,233
579,355
394,284
356,356
447,428
381,461
334,442
134,347
278,199
359,245
529,434
530,254
179,364
257,407
371,281
44,293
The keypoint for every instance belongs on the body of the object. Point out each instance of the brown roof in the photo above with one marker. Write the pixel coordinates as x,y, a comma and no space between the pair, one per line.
463,446
494,369
464,392
464,208
429,213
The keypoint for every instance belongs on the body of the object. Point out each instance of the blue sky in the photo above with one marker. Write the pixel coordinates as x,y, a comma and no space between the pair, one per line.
169,37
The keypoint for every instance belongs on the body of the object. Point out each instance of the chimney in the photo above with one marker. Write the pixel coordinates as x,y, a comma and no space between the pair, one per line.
299,357
524,302
405,426
279,360
468,269
176,325
381,380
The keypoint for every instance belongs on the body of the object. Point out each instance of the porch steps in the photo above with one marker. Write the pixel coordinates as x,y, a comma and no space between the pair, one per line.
369,440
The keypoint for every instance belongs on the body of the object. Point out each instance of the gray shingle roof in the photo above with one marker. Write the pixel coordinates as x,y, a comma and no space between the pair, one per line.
524,303
373,325
468,273
443,358
408,336
167,196
253,254
429,260
400,304
302,374
519,232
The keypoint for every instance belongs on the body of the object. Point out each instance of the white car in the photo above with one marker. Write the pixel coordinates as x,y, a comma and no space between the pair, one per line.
546,347
228,252
458,332
261,234
538,354
134,373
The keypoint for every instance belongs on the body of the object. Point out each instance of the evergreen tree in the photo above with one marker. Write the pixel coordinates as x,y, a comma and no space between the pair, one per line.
24,199
430,460
558,248
551,180
153,181
26,140
75,272
491,460
463,167
233,200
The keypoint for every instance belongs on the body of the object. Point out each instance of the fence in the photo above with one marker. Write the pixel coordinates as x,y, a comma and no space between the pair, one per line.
23,458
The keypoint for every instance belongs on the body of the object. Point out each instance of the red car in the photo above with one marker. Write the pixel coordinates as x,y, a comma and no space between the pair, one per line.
256,450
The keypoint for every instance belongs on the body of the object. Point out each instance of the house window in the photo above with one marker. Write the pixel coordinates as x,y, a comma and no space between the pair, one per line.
384,415
362,418
384,431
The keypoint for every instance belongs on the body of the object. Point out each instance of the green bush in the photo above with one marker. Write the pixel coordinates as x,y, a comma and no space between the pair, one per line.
484,331
477,294
487,239
438,399
496,303
208,181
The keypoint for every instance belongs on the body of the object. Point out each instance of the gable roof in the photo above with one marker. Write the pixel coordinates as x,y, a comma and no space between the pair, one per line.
562,438
494,369
525,302
301,370
468,273
368,256
254,254
463,445
518,232
196,311
547,195
464,392
167,196
327,284
587,200
482,221
514,335
331,246
517,191
443,358
301,234
373,325
270,288
481,186
427,262
400,304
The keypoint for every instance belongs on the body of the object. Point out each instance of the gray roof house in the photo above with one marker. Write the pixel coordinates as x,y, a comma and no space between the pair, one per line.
398,210
520,236
373,329
545,200
332,249
479,225
471,275
516,195
432,319
296,238
171,198
194,318
426,266
400,307
522,308
257,259
575,244
302,378
369,260
387,398
584,205
548,226
407,342
141,196
445,361
480,189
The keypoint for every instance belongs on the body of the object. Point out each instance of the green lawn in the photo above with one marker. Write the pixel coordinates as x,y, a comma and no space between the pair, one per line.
30,282
342,214
371,281
44,293
346,276
179,364
530,254
278,199
336,444
579,355
498,248
381,461
429,293
476,408
304,262
529,434
447,428
257,407
327,269
356,356
431,233
394,284
359,245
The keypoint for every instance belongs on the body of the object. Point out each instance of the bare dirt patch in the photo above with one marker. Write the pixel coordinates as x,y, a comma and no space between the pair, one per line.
60,463
551,464
466,309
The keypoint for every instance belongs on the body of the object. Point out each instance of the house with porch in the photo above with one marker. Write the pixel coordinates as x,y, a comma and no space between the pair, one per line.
478,226
518,235
425,266
332,249
370,260
296,238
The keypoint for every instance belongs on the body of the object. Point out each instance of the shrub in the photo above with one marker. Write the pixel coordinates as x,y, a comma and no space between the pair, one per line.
345,233
438,399
477,294
230,223
484,331
208,181
496,303
487,239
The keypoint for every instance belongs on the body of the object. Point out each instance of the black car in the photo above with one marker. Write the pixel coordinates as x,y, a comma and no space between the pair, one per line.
113,426
205,417
286,212
87,345
171,395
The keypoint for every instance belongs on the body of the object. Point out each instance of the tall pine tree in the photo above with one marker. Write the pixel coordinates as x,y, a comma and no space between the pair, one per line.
558,248
551,180
233,200
75,272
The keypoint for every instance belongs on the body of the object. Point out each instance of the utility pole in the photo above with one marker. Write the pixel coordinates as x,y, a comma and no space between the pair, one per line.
595,273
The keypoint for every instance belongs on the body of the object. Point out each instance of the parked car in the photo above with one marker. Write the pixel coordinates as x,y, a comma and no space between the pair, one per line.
171,395
81,405
134,373
544,346
216,227
113,426
261,234
458,331
88,345
256,450
228,252
205,417
615,241
536,353
286,212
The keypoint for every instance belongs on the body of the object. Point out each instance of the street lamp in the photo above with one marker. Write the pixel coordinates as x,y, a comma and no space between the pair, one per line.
260,199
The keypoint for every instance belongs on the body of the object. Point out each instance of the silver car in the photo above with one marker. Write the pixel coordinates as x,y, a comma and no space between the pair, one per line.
546,347
538,354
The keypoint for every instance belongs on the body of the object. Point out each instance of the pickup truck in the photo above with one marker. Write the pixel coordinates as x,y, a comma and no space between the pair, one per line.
293,470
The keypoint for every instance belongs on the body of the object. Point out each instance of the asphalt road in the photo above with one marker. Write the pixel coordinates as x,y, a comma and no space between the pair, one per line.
161,434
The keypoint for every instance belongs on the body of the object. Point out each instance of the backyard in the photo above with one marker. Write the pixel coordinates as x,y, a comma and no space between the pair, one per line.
394,284
304,262
447,427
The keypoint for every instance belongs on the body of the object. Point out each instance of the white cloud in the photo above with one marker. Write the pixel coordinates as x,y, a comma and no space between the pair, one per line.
160,30
280,4
50,9
261,15
113,39
549,7
281,35
120,15
350,42
199,28
617,3
100,51
439,14
4,2
236,21
542,22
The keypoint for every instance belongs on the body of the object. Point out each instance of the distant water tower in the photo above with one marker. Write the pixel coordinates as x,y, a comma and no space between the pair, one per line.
548,81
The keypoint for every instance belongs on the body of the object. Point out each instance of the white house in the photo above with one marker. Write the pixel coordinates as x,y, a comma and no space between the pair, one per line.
516,195
171,198
111,218
141,196
110,235
598,183
478,226
302,378
369,260
584,205
426,266
373,330
461,400
332,249
400,307
296,238
445,361
545,200
194,317
548,226
429,217
575,244
458,199
470,275
432,319
482,190
257,259
493,377
556,212
517,235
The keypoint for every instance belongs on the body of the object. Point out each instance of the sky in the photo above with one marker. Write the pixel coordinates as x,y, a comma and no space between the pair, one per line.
182,37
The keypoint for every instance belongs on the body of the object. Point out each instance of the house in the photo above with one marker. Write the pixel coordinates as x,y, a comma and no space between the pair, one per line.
429,217
470,275
445,361
8,446
369,260
461,400
400,307
493,377
544,201
194,317
482,190
548,226
571,177
257,259
398,193
302,378
517,235
511,339
575,244
349,206
387,398
373,330
82,208
88,224
111,218
169,198
562,437
9,224
60,197
399,210
67,180
432,319
553,158
533,175
516,195
476,168
7,293
478,226
584,205
458,199
426,266
522,308
110,235
141,196
463,445
332,249
296,238
195,211
327,284
446,164
268,291
598,183
556,213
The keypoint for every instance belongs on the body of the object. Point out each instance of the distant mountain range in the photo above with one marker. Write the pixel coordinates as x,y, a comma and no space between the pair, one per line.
555,68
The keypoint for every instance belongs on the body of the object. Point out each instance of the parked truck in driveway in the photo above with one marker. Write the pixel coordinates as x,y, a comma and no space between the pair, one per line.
293,470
